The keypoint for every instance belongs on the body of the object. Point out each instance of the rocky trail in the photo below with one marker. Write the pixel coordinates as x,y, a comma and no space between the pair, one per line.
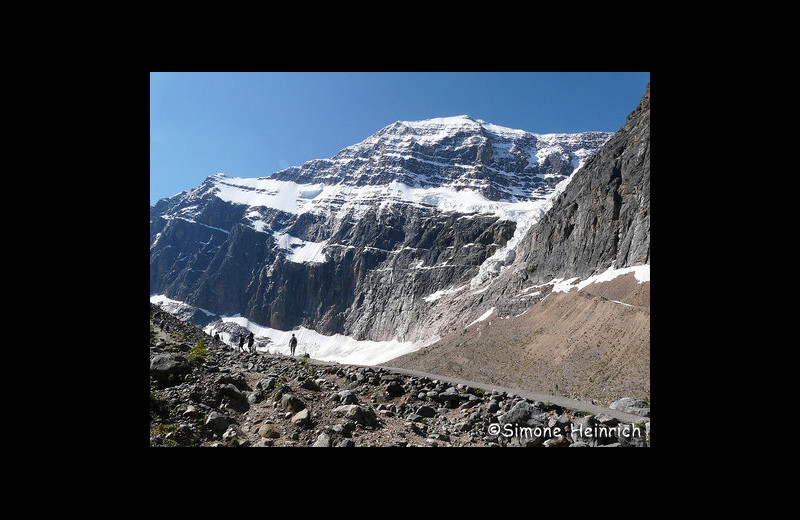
206,396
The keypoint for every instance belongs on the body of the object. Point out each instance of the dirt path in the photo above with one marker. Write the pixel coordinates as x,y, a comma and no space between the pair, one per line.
565,402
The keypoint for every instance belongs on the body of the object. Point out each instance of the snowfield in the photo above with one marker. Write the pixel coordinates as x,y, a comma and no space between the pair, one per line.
337,348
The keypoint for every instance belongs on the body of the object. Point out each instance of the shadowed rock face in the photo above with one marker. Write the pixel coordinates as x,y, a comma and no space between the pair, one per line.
603,216
353,244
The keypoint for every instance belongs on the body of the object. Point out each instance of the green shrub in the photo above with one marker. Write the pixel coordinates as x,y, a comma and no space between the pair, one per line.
197,356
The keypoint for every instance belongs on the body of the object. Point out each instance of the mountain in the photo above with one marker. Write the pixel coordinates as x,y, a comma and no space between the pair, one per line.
571,314
366,244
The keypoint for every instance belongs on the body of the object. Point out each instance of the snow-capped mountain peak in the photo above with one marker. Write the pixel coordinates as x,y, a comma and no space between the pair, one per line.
417,208
502,164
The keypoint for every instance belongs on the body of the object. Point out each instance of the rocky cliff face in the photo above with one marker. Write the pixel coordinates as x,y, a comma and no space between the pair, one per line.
602,218
599,219
363,243
558,319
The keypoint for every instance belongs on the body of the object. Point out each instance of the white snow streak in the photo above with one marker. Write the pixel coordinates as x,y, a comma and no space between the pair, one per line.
481,318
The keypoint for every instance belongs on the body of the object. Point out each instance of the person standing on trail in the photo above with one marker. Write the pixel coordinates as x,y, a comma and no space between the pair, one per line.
241,343
250,346
216,340
293,344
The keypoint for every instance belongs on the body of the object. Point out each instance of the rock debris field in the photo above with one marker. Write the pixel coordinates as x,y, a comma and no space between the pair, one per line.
206,396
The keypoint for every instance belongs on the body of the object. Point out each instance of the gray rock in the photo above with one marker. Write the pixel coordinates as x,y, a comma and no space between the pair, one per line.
323,441
360,414
558,441
426,411
292,403
231,391
524,413
230,435
309,384
462,426
217,421
606,420
302,418
266,384
395,389
631,405
345,428
192,412
269,430
607,206
347,397
164,365
561,422
450,395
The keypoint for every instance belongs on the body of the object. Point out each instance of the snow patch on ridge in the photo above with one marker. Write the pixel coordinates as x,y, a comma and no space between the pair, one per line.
641,272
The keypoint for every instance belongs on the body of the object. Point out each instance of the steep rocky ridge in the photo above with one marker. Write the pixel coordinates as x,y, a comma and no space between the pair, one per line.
603,216
593,341
600,220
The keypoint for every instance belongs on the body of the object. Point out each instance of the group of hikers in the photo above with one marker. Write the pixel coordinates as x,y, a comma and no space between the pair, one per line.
251,343
161,319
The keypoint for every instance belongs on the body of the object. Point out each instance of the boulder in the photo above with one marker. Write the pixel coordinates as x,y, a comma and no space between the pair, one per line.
302,418
524,413
292,403
631,405
451,394
426,411
231,391
269,430
360,414
164,365
323,441
309,384
395,389
347,397
266,384
218,422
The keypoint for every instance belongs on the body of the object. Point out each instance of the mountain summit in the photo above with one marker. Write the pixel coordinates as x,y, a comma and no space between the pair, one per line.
364,243
456,152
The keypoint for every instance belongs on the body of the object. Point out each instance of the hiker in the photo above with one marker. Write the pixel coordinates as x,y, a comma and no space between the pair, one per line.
161,324
293,344
241,343
216,340
250,343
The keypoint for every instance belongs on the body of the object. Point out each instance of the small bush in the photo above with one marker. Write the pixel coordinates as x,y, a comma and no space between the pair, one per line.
197,356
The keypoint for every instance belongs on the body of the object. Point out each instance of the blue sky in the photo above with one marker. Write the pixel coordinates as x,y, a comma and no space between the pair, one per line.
252,124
